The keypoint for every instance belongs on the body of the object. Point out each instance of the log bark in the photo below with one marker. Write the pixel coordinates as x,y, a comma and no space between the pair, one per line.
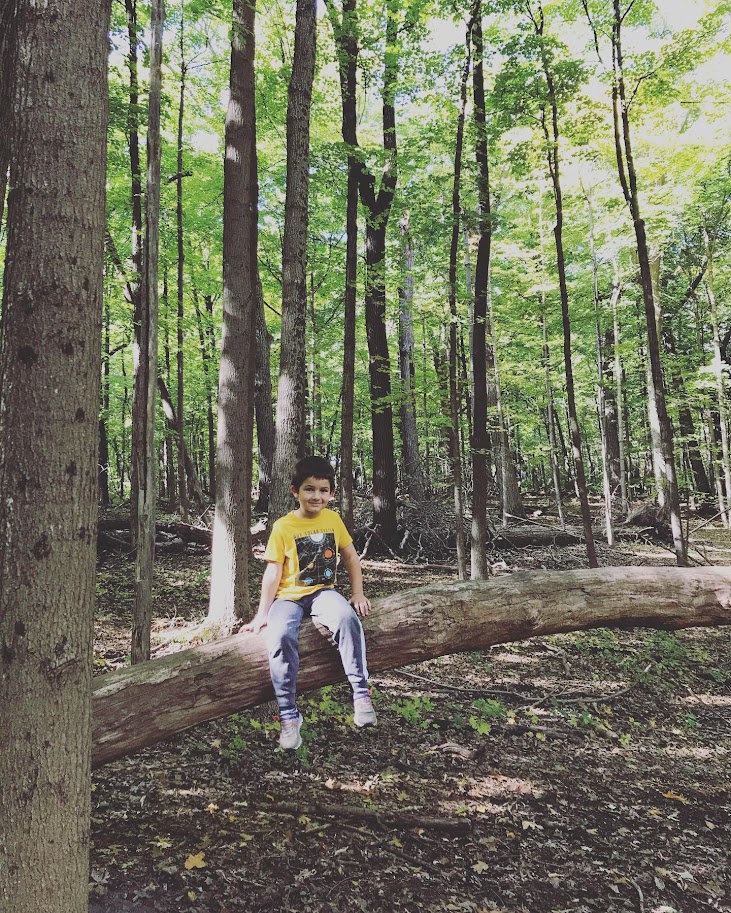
136,707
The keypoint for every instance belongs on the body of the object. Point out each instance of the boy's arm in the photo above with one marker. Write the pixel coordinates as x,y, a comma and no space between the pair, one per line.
269,586
352,565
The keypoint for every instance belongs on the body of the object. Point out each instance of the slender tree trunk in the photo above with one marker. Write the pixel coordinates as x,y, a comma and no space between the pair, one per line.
182,488
552,151
479,443
628,179
511,501
263,405
50,370
171,418
104,499
725,468
601,393
169,486
143,422
551,424
229,595
208,370
316,430
290,416
454,397
133,120
378,209
619,393
348,386
413,477
611,417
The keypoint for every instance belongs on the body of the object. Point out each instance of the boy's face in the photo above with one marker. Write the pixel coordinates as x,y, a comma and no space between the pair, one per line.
313,494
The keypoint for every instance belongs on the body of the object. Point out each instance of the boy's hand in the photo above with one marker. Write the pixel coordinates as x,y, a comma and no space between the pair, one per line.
254,626
361,605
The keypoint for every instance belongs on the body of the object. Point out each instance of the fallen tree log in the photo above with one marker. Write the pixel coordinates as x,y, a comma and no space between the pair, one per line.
136,707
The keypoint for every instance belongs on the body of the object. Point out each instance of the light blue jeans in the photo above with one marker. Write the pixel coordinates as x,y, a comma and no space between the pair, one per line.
331,610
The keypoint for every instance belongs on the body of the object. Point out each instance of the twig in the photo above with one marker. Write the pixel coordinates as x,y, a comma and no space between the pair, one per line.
588,698
640,895
383,817
394,851
429,681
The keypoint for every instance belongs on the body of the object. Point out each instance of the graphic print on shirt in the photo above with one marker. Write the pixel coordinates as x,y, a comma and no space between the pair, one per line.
317,559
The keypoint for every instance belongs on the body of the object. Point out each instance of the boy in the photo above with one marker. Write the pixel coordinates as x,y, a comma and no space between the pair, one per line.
302,556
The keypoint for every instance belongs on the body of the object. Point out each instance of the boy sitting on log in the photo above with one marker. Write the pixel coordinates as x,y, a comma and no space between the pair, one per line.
299,580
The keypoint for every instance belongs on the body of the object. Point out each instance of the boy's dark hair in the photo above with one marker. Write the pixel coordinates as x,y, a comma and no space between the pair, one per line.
317,467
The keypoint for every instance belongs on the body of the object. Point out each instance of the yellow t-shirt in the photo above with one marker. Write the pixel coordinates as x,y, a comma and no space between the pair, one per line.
308,552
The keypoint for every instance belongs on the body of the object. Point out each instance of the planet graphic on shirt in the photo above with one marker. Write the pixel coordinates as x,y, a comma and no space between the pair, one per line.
317,557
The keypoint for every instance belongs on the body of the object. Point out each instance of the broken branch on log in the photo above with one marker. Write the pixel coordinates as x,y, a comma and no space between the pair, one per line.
136,707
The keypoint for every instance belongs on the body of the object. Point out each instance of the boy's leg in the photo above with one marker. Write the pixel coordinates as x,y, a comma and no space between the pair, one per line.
333,611
282,639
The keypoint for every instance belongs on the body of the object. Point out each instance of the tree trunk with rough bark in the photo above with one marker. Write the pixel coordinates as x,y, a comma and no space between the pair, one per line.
138,707
50,370
290,417
229,595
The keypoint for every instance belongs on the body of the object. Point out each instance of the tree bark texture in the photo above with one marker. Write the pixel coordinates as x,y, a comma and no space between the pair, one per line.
144,454
229,596
8,33
137,707
290,417
50,371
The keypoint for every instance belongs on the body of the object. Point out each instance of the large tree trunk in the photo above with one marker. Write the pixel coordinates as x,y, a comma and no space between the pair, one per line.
290,418
229,596
137,707
50,370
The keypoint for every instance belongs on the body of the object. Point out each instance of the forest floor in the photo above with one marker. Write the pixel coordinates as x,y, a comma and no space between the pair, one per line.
581,772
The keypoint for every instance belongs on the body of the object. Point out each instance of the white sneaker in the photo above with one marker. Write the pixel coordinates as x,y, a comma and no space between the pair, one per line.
363,712
290,738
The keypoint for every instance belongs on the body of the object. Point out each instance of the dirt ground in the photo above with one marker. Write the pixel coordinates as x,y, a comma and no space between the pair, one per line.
581,772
